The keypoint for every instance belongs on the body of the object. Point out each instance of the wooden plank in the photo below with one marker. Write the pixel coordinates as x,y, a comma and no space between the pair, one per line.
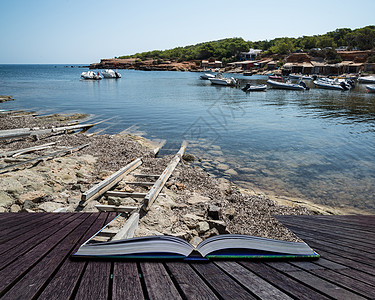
109,182
126,282
221,282
191,285
252,282
158,283
125,194
63,284
28,276
160,182
50,155
138,183
147,175
13,225
18,152
157,149
95,281
127,231
283,282
120,208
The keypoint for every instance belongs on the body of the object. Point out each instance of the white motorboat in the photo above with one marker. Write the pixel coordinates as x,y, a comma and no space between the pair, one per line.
287,85
370,88
300,77
366,79
207,76
254,88
220,80
334,84
90,75
111,74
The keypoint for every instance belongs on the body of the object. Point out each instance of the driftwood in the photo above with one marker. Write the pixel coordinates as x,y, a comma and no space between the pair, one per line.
102,187
159,184
116,208
18,152
50,155
127,231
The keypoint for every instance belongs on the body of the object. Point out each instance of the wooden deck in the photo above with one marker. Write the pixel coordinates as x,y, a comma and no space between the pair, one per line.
35,264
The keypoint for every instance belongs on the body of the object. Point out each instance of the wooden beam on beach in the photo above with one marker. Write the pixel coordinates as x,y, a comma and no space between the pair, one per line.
159,184
47,156
18,152
24,132
127,194
102,187
147,175
127,231
115,208
138,183
157,149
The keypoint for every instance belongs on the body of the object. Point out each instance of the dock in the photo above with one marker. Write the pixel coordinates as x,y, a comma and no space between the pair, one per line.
35,263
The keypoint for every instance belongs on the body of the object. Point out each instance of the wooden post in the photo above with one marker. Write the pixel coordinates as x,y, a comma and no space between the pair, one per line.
127,231
108,183
159,184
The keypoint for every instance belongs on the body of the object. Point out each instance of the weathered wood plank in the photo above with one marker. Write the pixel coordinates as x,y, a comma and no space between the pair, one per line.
13,272
158,283
18,152
137,183
192,286
126,282
109,182
252,282
95,281
127,231
160,182
50,256
14,224
120,208
63,283
286,284
221,282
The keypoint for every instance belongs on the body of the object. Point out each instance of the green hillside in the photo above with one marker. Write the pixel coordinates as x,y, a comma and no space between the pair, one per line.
228,49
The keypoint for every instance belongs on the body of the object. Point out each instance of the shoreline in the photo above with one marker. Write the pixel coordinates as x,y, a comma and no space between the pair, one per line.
192,197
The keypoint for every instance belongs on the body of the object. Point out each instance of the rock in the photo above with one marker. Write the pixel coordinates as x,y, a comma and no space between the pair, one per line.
230,213
78,187
202,227
5,200
50,206
15,208
221,226
224,187
180,186
188,157
231,172
197,199
29,205
34,196
191,220
114,201
222,167
195,241
211,232
11,186
3,209
213,212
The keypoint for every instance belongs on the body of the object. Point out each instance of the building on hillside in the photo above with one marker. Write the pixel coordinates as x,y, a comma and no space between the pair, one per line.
251,55
205,64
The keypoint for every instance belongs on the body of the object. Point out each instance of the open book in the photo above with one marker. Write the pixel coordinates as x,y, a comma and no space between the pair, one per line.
220,246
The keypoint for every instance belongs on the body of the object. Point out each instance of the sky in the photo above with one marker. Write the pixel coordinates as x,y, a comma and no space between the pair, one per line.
83,31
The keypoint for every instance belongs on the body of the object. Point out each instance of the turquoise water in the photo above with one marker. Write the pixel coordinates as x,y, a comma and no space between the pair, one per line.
316,145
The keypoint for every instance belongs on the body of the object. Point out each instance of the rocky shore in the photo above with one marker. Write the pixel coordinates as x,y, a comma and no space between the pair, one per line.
195,205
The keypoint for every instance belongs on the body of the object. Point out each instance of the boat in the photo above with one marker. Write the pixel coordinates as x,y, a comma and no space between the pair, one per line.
287,85
90,75
370,88
366,79
275,77
220,80
254,88
300,77
334,84
111,74
207,76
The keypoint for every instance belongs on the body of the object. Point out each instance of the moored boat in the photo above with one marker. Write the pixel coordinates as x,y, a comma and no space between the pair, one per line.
366,79
220,80
207,76
90,75
287,85
334,84
370,88
300,77
275,77
254,88
111,74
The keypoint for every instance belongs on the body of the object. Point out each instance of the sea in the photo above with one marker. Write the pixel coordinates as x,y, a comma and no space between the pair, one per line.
316,145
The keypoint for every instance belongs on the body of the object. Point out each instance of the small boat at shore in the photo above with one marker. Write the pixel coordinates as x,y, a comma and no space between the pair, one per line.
220,80
207,76
111,74
366,79
90,75
300,77
334,84
287,85
275,77
254,88
370,88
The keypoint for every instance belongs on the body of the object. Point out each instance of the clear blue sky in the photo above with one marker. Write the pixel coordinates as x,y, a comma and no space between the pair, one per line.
82,31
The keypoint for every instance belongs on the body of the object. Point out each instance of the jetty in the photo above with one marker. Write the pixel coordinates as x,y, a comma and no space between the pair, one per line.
35,263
